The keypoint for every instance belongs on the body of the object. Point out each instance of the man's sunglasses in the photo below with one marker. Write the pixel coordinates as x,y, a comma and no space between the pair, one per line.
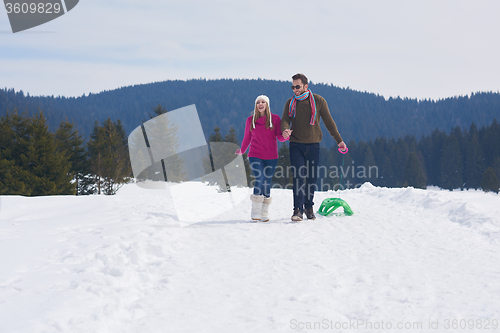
296,87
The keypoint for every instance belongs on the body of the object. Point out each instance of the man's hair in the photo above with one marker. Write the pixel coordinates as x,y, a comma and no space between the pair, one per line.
302,78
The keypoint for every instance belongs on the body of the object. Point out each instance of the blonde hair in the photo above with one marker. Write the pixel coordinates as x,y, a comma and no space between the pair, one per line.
256,114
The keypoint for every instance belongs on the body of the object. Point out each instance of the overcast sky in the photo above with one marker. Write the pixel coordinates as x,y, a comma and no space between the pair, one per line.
417,49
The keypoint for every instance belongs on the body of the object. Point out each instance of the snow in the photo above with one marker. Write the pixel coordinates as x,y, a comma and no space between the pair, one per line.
407,258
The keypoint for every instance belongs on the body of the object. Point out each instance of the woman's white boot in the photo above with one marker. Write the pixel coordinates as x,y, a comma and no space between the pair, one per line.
256,206
265,209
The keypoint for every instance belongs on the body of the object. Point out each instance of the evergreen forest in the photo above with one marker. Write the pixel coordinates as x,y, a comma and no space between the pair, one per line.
67,146
227,103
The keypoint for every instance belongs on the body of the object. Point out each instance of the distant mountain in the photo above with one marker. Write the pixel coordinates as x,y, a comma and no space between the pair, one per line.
227,103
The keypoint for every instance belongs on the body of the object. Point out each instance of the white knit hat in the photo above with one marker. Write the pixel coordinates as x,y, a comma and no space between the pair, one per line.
264,97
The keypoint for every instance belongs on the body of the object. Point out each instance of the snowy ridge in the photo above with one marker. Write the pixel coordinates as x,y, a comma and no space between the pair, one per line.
126,263
481,213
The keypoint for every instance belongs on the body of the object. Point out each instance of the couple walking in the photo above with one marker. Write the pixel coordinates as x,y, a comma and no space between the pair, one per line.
300,125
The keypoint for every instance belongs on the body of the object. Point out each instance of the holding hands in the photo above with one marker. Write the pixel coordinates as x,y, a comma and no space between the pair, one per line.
286,133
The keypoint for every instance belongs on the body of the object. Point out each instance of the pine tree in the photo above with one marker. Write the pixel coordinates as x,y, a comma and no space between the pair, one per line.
71,144
157,111
473,156
451,164
369,170
490,181
163,132
491,142
398,156
235,174
284,174
231,136
108,155
13,129
414,174
222,153
348,166
386,175
29,162
13,179
496,165
216,136
327,170
51,168
432,151
382,162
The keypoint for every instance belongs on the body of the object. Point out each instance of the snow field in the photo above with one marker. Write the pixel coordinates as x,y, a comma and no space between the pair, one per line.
125,263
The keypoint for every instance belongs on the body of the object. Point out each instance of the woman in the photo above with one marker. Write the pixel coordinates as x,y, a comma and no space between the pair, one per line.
261,131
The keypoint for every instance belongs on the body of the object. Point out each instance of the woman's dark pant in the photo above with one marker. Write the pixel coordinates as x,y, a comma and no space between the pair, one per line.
304,159
263,171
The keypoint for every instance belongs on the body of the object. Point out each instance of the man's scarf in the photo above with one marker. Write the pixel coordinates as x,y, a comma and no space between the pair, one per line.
293,105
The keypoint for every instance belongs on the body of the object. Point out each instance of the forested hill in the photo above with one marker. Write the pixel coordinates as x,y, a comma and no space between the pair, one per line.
227,103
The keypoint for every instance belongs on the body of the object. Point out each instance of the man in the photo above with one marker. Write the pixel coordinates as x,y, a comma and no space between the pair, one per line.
301,119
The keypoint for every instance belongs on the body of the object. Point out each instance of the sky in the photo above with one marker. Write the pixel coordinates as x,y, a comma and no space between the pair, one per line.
424,49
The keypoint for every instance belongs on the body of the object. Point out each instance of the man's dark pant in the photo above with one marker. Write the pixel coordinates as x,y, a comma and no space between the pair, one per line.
304,159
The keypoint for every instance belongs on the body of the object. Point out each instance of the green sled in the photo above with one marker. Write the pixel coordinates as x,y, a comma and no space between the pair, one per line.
329,205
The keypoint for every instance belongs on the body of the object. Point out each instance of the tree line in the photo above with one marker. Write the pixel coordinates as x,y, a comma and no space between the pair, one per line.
227,103
36,161
462,159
